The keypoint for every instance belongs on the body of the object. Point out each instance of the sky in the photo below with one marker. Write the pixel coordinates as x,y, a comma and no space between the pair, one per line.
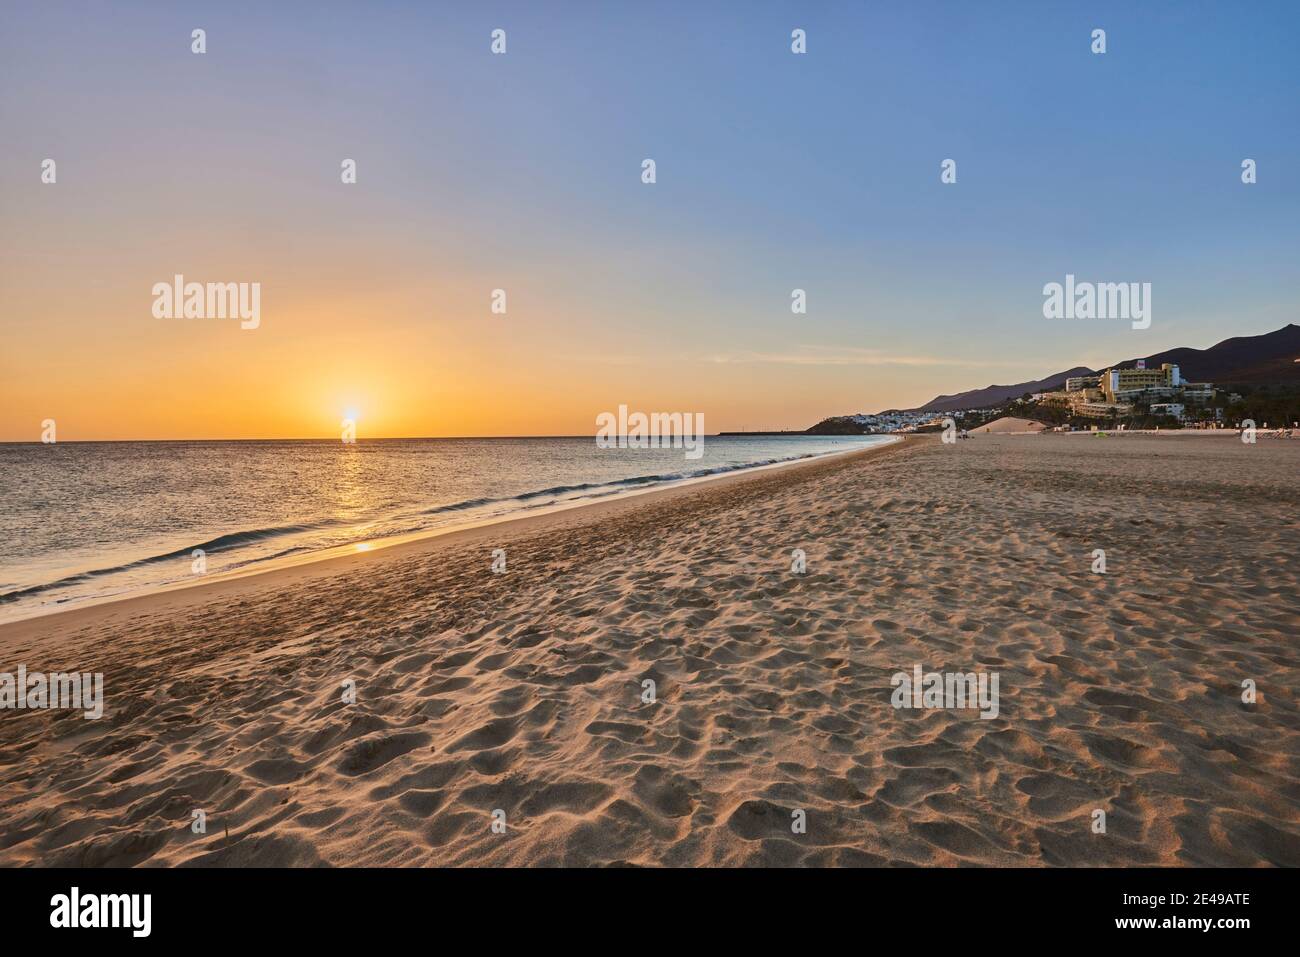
523,172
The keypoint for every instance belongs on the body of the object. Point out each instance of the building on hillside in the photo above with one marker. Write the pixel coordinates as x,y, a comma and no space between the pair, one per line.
1115,391
1125,385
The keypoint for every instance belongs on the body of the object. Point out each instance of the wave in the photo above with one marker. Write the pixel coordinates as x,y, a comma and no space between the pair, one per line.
525,500
615,486
218,544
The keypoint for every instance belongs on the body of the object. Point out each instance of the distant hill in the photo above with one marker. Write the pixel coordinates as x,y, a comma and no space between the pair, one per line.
997,394
1240,360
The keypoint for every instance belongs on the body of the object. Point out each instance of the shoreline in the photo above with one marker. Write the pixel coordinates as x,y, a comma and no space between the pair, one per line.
340,559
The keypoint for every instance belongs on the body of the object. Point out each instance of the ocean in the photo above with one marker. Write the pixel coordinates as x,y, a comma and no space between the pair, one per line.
91,520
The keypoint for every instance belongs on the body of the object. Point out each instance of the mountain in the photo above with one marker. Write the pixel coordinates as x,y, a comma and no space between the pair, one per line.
997,394
1269,358
1242,359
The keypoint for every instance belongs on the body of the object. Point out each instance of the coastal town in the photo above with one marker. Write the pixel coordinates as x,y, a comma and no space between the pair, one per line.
1116,392
1138,396
1256,384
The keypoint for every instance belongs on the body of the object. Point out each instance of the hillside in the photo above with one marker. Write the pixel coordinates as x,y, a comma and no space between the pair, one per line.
997,394
1267,358
1253,360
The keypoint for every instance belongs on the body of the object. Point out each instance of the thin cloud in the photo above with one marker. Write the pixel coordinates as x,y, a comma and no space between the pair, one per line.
844,356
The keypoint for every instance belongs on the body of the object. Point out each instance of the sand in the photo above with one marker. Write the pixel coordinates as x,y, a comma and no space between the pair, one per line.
522,692
1009,423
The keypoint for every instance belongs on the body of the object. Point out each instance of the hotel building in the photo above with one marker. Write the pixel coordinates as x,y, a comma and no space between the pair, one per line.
1114,391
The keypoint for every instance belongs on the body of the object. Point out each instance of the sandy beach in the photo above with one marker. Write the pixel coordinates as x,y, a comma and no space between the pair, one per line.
524,692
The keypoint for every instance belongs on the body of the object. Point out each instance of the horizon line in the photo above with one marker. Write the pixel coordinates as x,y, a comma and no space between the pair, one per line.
396,438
